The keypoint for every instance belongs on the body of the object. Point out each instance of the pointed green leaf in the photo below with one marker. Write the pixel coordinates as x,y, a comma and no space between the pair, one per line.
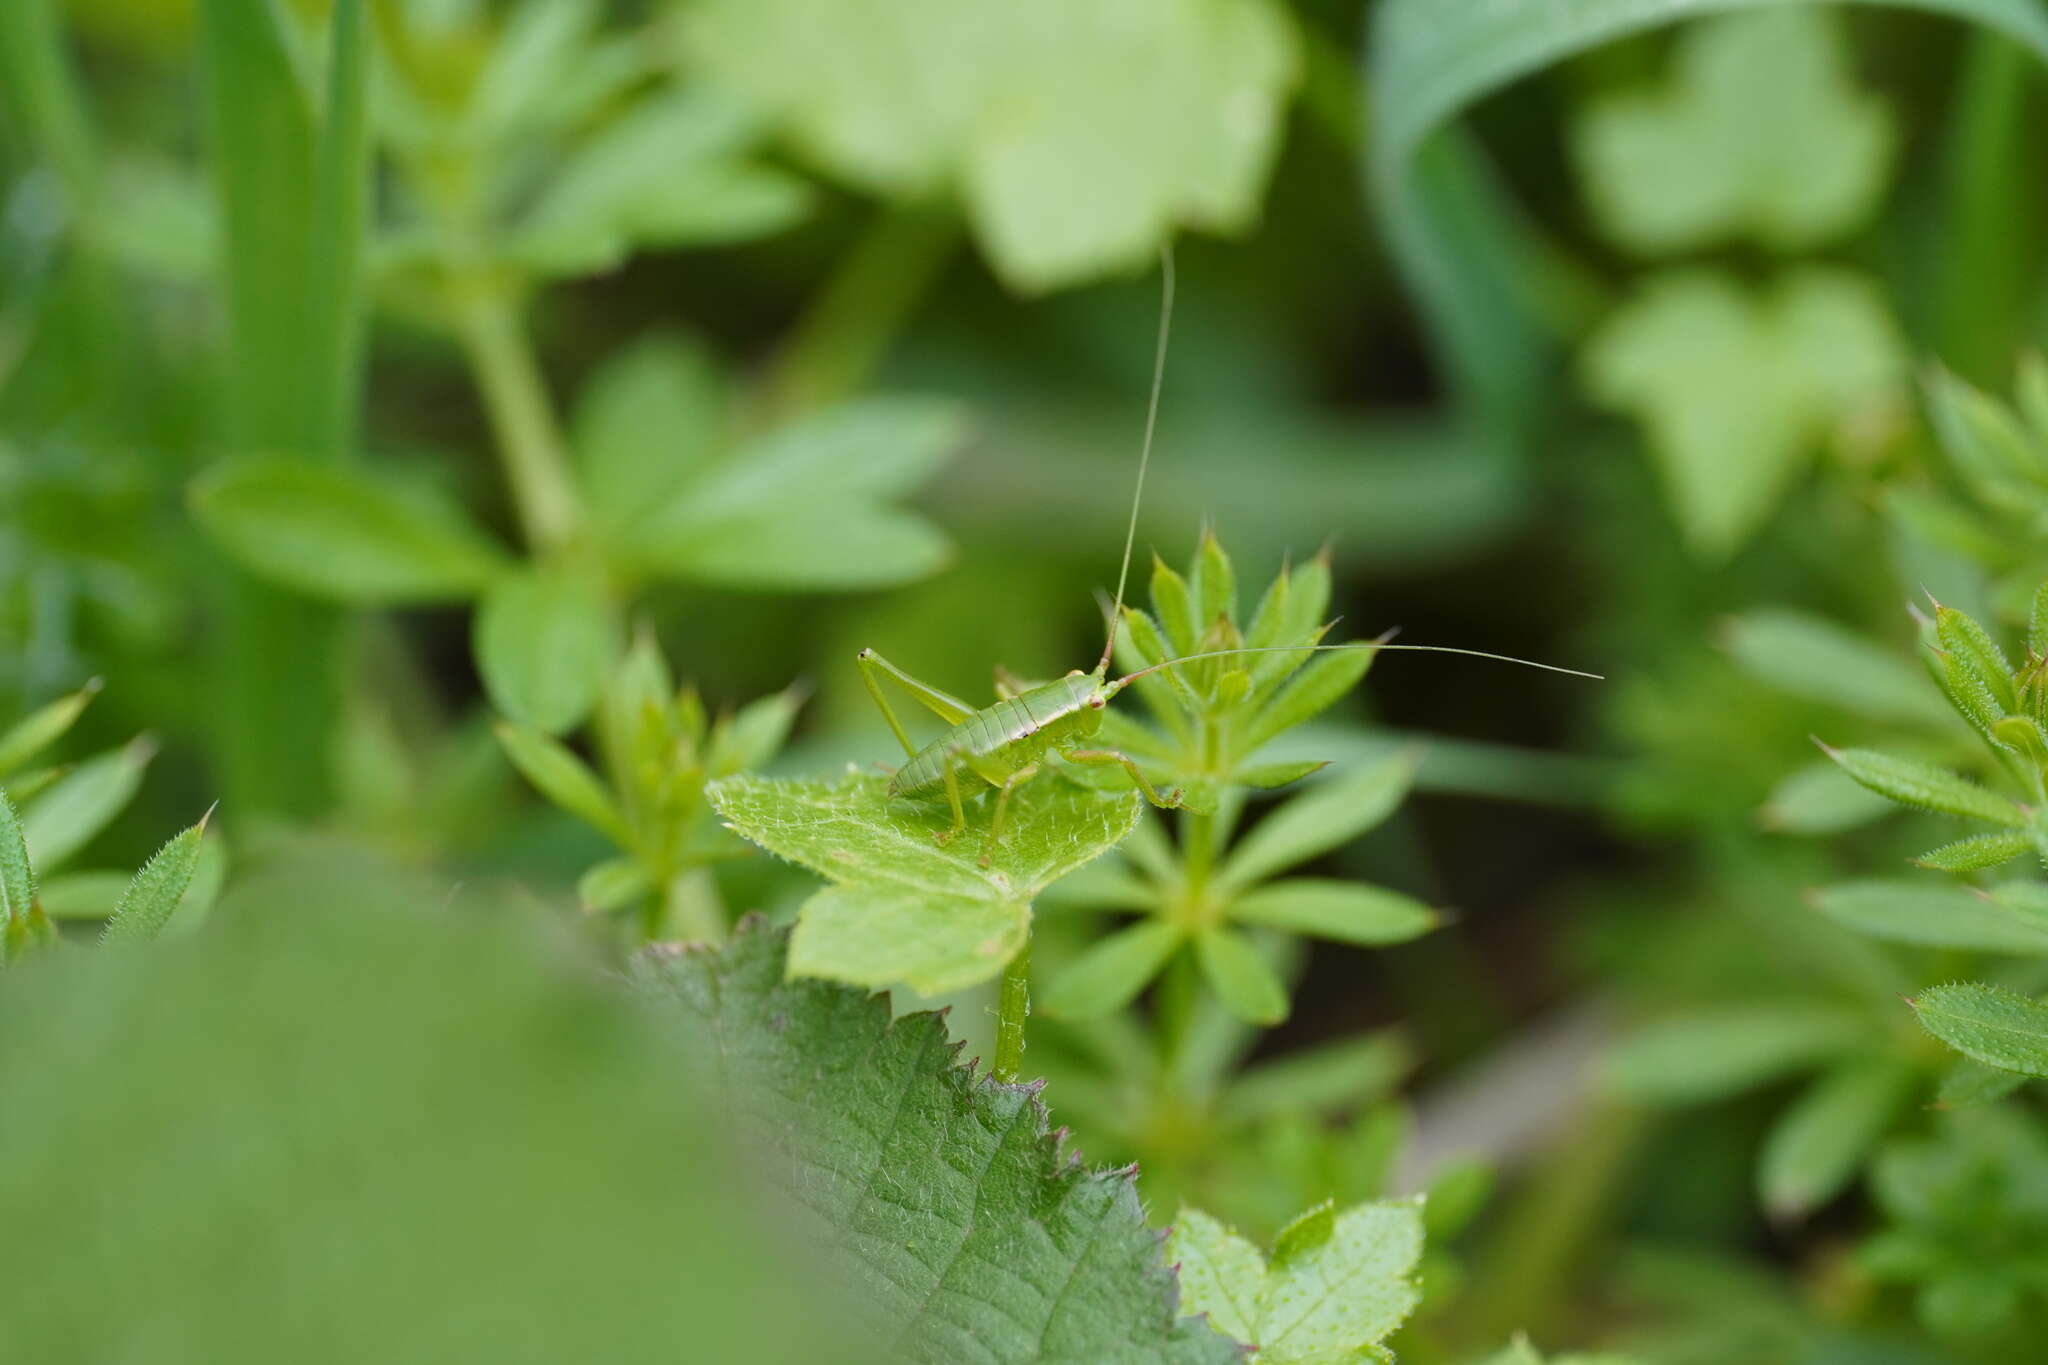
1810,656
563,778
1175,605
1321,681
17,879
1215,583
1931,914
755,734
1111,973
1986,443
1321,818
342,533
83,802
1972,647
1344,1074
1241,976
152,898
1977,852
1912,783
1267,776
545,638
1346,912
613,885
1817,1145
1704,1057
42,728
1991,1024
2037,620
1820,799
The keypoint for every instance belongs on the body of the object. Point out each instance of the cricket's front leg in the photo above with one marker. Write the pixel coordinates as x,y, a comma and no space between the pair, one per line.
1098,756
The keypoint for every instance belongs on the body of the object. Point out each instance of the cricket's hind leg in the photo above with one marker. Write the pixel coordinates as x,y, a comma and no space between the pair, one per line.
1098,756
951,770
995,824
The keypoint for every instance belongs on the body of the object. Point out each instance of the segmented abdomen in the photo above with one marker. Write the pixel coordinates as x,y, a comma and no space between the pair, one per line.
1017,729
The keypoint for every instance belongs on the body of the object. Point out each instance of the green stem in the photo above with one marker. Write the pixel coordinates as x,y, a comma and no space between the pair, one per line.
838,344
529,440
1012,1009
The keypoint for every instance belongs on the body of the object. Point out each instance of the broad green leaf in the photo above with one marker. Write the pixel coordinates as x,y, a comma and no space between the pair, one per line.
564,779
1337,1285
803,547
1977,852
1241,976
330,1009
901,897
343,534
1348,912
1706,1056
153,897
1912,783
43,727
1821,799
17,878
1011,1251
1077,140
1760,135
1113,970
544,640
647,421
83,802
1817,1145
1805,356
1810,656
1932,914
1990,1024
1320,818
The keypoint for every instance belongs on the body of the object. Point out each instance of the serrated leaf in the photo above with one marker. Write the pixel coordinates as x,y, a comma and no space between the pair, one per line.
545,638
1761,134
1346,912
1010,1252
1990,1024
41,728
83,802
1810,656
343,534
1338,1283
1319,819
1931,914
1113,970
1810,352
1816,1145
935,907
1926,787
1977,852
1706,1056
1241,976
153,897
564,779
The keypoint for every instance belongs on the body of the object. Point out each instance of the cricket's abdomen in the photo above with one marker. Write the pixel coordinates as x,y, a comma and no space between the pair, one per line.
997,740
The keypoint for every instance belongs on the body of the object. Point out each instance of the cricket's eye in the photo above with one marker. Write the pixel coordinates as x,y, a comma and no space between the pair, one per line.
1076,673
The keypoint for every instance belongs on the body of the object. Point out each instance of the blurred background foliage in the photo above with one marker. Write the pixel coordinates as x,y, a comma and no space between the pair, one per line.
369,372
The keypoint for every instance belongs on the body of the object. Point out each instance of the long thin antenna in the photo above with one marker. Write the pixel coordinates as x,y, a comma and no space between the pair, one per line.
1125,681
1116,612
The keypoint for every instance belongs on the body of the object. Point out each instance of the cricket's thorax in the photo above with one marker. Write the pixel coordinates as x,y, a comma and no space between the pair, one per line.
998,740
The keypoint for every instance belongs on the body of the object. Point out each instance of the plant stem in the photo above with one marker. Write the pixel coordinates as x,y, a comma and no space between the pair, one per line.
529,440
1012,1008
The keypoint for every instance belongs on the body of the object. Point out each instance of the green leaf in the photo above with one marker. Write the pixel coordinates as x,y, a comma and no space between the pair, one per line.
153,897
906,909
1820,799
1175,604
342,534
83,802
613,885
562,777
1977,852
648,420
1321,818
1268,776
755,734
1338,1284
1810,656
1817,1145
1967,1084
1934,915
1346,912
1113,970
1309,693
1344,1074
1076,145
545,639
2002,462
17,877
1707,1056
1241,976
1760,135
1912,783
1990,1024
1806,355
43,727
1979,655
1011,1252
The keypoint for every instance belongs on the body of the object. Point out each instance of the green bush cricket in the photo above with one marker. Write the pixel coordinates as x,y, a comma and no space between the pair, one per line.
1006,744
